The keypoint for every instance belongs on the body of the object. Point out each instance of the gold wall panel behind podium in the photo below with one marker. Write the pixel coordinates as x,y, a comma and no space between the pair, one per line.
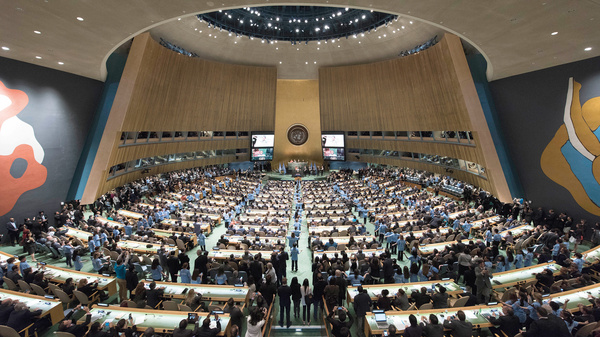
297,103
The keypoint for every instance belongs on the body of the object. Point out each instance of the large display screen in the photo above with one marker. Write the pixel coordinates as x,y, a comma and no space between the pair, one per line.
262,154
334,153
332,140
263,140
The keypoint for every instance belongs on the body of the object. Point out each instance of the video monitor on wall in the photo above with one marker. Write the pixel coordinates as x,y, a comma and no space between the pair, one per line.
261,146
263,140
334,153
333,146
262,154
332,139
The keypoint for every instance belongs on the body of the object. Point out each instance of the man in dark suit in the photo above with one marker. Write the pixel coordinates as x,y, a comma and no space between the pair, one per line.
508,322
362,304
421,298
174,265
14,274
6,307
483,282
205,330
547,325
339,324
153,296
201,262
21,317
285,303
13,231
459,326
70,326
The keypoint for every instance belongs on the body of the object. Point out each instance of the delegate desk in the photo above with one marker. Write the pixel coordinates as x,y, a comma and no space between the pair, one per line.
400,318
324,219
50,307
591,256
163,321
236,240
113,223
373,290
145,247
345,239
319,229
428,249
5,256
522,275
224,254
517,231
263,212
188,223
78,234
130,214
212,216
210,292
162,233
331,253
258,228
252,218
60,275
576,296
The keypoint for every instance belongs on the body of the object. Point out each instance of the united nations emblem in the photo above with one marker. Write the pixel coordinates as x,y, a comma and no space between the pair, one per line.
297,134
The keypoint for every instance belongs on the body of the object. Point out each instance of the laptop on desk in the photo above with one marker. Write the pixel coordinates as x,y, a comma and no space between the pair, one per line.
380,319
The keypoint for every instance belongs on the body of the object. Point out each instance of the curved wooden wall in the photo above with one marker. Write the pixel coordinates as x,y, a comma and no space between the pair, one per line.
161,90
431,90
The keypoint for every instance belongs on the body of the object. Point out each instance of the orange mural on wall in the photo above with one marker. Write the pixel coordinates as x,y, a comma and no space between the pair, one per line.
17,141
572,158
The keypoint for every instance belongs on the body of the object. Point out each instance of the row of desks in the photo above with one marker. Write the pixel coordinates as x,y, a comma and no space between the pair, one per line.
475,315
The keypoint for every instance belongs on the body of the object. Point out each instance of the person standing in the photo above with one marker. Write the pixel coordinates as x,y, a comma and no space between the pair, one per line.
285,294
318,292
362,304
283,258
202,241
483,282
13,231
173,266
121,271
294,252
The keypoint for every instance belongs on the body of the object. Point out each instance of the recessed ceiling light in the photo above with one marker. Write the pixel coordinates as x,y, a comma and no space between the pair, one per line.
277,48
5,48
79,18
61,63
279,62
38,57
588,49
179,19
554,33
318,48
410,22
315,62
37,32
306,62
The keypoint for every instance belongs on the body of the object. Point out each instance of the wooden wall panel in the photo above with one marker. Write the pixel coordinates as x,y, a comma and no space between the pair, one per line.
461,175
127,153
418,92
124,179
470,153
429,91
174,92
162,90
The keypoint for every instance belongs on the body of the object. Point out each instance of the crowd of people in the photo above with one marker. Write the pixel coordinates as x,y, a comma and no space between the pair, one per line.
482,236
